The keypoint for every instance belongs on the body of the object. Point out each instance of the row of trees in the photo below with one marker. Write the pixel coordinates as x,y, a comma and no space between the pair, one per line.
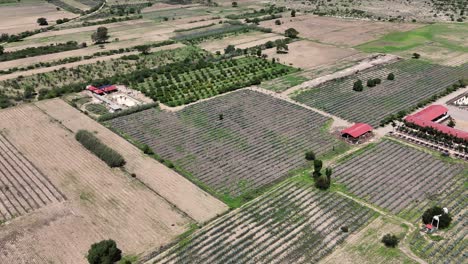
36,51
322,180
93,144
358,87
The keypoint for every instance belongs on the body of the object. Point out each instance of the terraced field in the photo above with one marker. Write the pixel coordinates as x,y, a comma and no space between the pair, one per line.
294,224
414,81
393,176
23,188
258,141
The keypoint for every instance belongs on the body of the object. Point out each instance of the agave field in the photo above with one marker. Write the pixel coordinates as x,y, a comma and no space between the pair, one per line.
23,188
295,223
414,82
181,83
233,143
393,176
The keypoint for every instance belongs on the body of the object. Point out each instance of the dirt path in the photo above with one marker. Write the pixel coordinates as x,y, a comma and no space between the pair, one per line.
365,64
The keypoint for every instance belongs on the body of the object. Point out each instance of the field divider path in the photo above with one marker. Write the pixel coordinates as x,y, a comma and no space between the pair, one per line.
176,189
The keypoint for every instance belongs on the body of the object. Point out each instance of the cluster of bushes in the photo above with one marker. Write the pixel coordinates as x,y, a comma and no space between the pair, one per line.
17,37
126,9
93,144
110,20
62,20
5,101
231,51
256,13
373,82
125,112
257,20
450,89
322,181
36,51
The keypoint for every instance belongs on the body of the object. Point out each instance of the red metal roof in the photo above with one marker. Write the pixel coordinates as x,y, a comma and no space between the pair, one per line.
424,118
357,130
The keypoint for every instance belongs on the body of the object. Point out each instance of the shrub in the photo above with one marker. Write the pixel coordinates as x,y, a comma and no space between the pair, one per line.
104,252
310,155
344,229
93,144
291,33
277,22
42,21
391,76
357,86
416,56
370,83
444,220
322,182
147,150
390,240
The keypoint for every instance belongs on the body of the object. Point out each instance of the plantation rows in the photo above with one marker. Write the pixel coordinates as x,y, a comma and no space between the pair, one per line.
294,224
197,36
414,81
179,84
23,188
392,175
258,140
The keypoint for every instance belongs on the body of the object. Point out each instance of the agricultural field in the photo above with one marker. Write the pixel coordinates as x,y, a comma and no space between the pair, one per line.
243,41
335,31
392,175
111,205
295,223
22,16
257,140
415,81
445,44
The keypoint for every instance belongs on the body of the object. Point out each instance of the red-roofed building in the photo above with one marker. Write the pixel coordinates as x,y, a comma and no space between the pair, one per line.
427,116
357,131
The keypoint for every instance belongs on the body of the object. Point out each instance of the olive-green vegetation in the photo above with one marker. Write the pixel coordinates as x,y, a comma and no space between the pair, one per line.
93,144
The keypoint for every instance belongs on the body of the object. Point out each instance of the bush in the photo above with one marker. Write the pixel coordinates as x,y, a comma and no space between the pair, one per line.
370,83
391,76
310,155
93,144
344,229
322,182
357,86
291,33
104,252
445,219
390,240
147,150
416,56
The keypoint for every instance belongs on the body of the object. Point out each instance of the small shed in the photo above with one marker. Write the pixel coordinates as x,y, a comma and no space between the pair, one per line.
357,131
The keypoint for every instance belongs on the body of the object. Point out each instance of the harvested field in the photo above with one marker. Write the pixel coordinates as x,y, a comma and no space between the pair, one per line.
341,32
165,182
23,187
414,82
392,175
100,201
22,17
243,41
258,141
293,224
307,54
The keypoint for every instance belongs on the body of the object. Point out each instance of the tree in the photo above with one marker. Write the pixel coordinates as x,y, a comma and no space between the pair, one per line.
291,33
104,252
451,123
391,76
281,47
144,49
328,172
310,155
444,219
322,182
259,52
390,240
317,168
101,35
293,13
234,4
147,150
416,55
229,49
370,83
277,22
221,117
357,86
2,50
42,21
28,92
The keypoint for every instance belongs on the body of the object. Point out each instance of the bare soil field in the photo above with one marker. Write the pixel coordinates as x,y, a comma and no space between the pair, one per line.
341,32
18,18
101,202
365,246
243,41
307,54
164,181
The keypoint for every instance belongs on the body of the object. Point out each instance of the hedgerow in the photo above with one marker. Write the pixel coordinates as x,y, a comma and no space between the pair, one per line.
93,144
36,51
125,112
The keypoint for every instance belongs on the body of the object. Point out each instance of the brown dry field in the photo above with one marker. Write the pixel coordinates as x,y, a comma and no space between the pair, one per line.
365,247
164,181
341,32
83,62
101,203
307,54
239,41
18,18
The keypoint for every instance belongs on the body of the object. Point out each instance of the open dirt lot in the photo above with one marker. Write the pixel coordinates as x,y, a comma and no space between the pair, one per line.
164,181
22,17
341,32
307,54
240,41
101,203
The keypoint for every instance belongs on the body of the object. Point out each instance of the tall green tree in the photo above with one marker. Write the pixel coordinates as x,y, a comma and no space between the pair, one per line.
104,252
291,33
42,21
100,36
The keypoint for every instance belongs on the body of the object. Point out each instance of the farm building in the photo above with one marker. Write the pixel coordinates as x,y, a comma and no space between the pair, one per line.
102,89
431,116
357,132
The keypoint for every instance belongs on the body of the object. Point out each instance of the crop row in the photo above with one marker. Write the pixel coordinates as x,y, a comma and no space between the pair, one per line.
293,224
232,143
414,82
179,83
393,175
23,188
